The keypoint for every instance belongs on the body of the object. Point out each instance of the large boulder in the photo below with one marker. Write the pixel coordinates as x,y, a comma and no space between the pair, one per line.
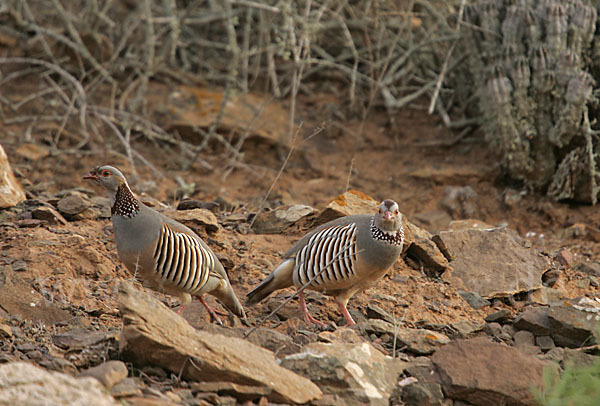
155,335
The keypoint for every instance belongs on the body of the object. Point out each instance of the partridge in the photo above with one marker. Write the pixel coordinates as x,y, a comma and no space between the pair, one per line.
167,255
360,248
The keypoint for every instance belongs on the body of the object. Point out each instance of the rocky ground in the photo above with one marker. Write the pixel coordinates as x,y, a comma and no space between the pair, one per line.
496,283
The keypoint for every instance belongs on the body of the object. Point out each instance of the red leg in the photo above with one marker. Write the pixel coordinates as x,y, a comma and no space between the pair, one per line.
307,316
213,313
349,320
180,309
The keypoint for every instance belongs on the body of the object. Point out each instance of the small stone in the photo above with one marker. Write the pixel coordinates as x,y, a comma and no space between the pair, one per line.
423,393
73,203
201,217
500,315
535,320
545,343
376,312
108,373
5,331
48,214
493,329
550,277
277,220
523,337
590,268
466,327
545,295
593,281
127,387
189,204
564,257
582,283
474,299
19,266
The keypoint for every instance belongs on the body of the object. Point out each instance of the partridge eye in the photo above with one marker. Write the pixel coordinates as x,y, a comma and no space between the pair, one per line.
105,173
380,211
396,212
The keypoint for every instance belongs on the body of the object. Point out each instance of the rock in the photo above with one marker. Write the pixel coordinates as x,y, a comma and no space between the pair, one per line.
524,337
422,368
108,373
241,392
534,319
279,219
572,327
418,341
472,298
79,339
154,335
499,316
545,295
33,152
48,214
19,266
127,387
459,201
347,204
545,343
423,246
11,192
564,257
466,327
376,312
73,203
433,220
24,384
492,263
201,217
357,373
5,331
423,393
189,204
482,372
591,268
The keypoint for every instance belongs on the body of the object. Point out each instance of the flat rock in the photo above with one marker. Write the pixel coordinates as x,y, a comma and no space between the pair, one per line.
481,372
472,298
108,373
492,263
423,393
80,338
419,341
356,373
154,335
535,320
572,327
466,327
279,219
73,203
545,295
201,217
24,384
48,214
241,392
11,192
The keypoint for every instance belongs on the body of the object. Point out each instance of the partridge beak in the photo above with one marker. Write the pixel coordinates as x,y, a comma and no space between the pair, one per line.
388,215
92,176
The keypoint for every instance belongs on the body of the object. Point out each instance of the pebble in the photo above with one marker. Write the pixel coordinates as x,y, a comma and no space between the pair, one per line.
475,300
500,315
545,343
19,266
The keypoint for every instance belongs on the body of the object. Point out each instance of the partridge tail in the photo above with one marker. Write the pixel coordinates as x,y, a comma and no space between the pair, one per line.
280,278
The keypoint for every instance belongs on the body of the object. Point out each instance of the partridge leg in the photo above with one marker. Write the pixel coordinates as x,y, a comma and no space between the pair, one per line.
180,309
213,313
307,316
344,310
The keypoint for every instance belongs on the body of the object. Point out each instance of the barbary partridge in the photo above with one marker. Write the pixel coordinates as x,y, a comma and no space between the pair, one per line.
371,244
169,256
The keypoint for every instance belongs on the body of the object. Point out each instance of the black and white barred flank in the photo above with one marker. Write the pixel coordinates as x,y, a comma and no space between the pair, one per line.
181,260
396,238
321,248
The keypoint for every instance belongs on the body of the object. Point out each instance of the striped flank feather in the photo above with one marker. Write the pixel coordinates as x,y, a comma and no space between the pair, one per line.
321,248
181,260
